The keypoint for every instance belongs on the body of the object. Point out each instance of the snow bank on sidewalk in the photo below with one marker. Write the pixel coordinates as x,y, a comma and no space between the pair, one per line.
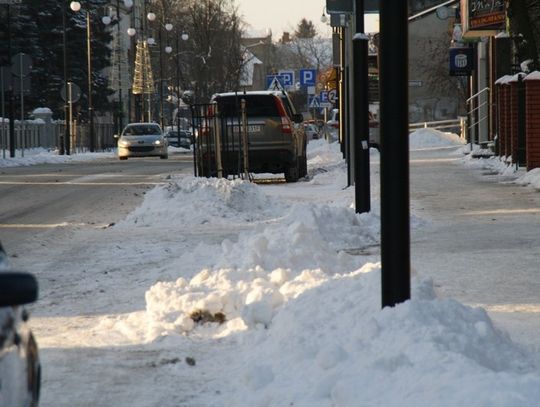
431,138
299,304
36,156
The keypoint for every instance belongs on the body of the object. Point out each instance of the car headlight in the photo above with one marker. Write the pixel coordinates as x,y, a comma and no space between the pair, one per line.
123,143
157,142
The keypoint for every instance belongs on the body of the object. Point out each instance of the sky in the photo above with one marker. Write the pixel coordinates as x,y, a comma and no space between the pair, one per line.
284,15
228,293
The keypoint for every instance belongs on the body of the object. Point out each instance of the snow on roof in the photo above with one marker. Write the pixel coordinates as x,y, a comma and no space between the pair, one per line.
248,70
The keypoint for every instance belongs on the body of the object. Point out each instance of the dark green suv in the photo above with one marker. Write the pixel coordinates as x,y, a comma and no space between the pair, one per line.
276,137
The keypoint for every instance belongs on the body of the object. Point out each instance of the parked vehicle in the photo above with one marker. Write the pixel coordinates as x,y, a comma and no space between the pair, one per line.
142,140
276,137
182,139
374,135
20,369
312,131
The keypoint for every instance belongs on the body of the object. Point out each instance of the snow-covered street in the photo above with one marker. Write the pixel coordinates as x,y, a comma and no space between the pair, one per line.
229,293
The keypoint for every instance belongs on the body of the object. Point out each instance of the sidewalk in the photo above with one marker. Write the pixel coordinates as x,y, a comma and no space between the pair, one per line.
482,244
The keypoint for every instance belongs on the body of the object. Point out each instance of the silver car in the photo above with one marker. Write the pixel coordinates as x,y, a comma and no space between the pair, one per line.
20,369
142,140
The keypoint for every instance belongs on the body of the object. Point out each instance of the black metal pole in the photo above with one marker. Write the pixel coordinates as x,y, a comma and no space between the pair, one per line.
361,108
65,141
90,104
395,218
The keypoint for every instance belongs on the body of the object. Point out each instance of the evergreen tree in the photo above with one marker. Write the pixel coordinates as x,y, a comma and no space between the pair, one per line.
37,29
305,29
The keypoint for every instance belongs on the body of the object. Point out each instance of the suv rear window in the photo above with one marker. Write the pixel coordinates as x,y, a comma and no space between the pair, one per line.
257,105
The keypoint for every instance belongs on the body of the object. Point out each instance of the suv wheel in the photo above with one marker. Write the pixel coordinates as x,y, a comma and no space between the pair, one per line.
303,165
292,172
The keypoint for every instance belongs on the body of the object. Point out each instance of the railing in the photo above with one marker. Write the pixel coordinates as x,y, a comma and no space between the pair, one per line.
471,113
460,122
38,134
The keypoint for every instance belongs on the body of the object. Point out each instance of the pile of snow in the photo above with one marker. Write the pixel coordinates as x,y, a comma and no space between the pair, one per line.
289,310
334,346
303,314
199,201
431,138
531,178
264,269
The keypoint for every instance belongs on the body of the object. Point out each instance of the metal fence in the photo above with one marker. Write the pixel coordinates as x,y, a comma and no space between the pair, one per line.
221,146
39,134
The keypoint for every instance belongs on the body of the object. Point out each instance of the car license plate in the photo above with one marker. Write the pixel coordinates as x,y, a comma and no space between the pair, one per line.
251,128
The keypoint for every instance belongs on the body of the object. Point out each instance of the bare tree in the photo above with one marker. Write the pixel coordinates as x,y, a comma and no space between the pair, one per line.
217,57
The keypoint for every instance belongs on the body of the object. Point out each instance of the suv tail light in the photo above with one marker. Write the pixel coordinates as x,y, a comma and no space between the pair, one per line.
286,124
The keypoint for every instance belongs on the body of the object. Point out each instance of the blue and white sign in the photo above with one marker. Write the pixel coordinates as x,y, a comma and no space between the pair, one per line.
324,99
324,96
286,78
461,61
274,82
308,77
314,102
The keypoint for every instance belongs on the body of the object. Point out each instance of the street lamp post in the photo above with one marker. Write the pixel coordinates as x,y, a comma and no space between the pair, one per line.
131,32
64,140
184,36
152,17
76,7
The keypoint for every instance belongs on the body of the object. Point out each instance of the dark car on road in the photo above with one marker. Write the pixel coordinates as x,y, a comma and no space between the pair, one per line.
275,135
20,369
182,138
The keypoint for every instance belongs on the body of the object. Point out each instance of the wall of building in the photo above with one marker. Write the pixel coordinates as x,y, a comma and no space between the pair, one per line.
433,93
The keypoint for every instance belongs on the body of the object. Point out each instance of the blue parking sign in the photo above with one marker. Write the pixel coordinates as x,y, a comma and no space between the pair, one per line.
286,78
308,77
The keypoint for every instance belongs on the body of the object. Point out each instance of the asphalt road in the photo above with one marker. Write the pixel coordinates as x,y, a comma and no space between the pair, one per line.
35,200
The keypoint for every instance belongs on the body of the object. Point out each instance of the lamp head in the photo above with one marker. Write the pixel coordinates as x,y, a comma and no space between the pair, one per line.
75,6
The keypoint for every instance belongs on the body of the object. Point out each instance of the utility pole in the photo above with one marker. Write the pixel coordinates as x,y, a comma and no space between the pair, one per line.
360,117
65,141
90,104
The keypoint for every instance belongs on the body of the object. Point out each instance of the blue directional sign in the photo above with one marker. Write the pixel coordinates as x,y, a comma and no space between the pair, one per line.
324,96
308,77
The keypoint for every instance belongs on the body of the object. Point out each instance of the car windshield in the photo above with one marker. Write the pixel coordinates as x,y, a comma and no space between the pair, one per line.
172,134
142,130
